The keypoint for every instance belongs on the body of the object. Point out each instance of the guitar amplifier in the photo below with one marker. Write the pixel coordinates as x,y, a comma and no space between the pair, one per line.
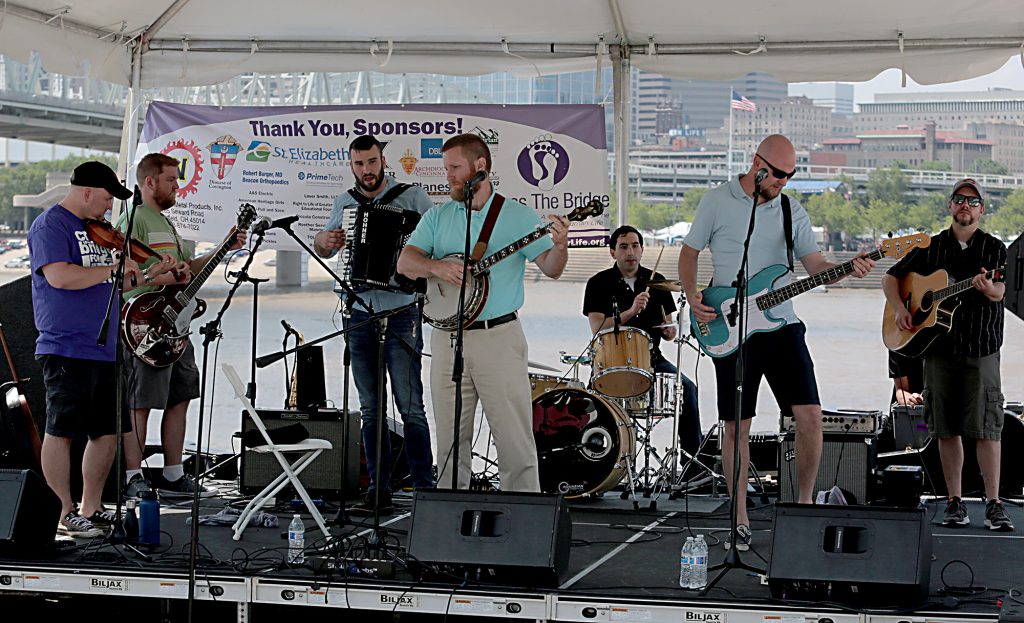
323,477
841,421
847,461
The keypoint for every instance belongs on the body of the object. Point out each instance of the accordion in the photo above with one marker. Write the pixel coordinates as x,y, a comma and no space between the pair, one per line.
375,235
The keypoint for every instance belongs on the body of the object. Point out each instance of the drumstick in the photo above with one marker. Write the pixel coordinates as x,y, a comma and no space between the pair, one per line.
655,270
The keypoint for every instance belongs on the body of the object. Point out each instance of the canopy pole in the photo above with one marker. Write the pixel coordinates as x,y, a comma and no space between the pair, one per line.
621,85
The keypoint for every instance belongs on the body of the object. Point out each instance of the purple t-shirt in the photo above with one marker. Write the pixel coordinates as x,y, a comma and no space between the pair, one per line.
68,320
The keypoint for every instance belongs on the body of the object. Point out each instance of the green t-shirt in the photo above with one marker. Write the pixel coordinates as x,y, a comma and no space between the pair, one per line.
152,228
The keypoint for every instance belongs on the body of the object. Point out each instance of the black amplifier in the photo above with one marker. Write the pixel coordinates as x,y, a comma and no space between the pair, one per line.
842,421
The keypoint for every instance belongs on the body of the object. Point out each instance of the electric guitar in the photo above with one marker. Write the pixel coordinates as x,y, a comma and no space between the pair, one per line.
721,337
155,325
931,301
441,305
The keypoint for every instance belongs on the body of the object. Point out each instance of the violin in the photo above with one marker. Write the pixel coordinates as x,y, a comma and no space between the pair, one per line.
106,235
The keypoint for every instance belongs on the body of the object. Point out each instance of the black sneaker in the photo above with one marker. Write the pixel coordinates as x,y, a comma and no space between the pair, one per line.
996,518
102,518
136,487
956,514
366,507
184,487
74,524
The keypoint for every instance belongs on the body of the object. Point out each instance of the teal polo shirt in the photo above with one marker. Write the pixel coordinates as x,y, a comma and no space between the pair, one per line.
442,231
720,225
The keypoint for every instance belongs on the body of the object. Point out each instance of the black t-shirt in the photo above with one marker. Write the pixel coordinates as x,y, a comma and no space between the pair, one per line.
605,285
910,367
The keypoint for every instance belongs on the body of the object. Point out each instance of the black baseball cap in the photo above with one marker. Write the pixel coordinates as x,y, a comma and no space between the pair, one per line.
95,174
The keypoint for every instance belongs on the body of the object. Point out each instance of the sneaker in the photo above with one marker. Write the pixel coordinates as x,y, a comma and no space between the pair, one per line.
102,518
184,487
743,537
366,507
956,514
136,487
74,524
996,517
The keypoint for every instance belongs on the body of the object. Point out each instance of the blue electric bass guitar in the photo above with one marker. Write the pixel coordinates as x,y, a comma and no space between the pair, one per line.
771,287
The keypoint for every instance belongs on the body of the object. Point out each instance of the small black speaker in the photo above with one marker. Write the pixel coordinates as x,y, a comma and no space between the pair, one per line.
29,512
311,390
847,461
860,555
323,476
515,537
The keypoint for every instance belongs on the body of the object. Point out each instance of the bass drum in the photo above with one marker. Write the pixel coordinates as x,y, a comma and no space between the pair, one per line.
583,442
1011,470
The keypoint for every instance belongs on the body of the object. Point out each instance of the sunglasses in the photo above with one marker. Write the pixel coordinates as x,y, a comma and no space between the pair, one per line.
959,199
777,173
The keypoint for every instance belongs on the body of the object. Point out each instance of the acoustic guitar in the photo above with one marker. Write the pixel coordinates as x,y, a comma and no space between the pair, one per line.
932,301
15,401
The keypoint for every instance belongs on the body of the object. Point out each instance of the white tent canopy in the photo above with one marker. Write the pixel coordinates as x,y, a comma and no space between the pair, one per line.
192,42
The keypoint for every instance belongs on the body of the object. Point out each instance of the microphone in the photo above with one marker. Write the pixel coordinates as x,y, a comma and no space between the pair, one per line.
473,181
760,176
288,328
264,223
136,197
615,314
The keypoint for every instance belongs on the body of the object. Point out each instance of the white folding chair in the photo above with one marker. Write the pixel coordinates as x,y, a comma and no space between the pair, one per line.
311,448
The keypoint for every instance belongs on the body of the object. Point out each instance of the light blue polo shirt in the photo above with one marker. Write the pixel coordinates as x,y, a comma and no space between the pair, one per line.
443,231
723,216
412,198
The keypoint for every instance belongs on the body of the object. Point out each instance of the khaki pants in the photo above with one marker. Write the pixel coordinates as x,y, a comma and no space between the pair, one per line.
496,375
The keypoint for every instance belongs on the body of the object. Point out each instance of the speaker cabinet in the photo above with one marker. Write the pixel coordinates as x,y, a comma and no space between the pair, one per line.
514,537
311,390
861,555
846,461
29,513
323,477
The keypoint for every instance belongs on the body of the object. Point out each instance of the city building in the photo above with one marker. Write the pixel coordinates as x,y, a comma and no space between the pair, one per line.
834,95
805,124
903,145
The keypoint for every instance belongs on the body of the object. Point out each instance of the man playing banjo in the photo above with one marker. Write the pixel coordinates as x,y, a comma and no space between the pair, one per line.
495,347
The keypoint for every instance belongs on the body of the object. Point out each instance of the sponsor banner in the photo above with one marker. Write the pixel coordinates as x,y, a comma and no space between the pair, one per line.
295,161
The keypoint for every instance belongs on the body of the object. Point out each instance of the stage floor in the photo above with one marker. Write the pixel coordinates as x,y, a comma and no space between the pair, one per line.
623,567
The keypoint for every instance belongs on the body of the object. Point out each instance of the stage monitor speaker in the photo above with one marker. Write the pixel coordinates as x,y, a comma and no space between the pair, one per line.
311,390
514,537
860,555
847,460
323,476
29,513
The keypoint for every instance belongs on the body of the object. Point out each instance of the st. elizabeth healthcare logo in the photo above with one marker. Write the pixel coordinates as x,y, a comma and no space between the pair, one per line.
258,151
543,163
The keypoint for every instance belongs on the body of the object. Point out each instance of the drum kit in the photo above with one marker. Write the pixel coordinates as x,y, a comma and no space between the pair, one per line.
589,438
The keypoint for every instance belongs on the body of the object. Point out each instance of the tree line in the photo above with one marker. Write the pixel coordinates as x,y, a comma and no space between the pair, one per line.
30,179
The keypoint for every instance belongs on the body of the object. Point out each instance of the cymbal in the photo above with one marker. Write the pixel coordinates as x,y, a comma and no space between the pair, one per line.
665,284
664,325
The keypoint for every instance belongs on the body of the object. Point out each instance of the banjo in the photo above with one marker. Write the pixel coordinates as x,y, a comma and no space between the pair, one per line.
441,305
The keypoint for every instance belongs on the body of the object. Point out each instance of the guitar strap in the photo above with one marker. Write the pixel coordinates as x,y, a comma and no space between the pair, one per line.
485,231
787,227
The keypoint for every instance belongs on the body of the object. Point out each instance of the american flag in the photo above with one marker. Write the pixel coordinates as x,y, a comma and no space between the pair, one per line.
741,103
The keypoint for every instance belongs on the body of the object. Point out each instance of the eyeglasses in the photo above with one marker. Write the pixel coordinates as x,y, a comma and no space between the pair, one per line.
777,173
959,199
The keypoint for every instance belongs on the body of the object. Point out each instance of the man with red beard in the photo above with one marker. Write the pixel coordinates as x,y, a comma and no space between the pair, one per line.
781,356
403,337
169,388
962,382
495,348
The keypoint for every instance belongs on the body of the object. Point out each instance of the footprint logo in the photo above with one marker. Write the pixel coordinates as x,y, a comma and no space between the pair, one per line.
543,163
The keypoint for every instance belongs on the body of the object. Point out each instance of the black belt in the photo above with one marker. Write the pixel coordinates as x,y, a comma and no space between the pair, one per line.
493,322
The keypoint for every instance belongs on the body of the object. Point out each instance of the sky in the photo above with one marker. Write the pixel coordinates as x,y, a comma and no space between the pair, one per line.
1010,75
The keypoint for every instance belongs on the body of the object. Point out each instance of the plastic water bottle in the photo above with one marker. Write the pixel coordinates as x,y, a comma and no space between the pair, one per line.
149,519
685,563
296,540
699,570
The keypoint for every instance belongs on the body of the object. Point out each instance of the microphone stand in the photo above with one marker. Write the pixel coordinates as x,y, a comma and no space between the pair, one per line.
737,316
458,362
210,332
118,536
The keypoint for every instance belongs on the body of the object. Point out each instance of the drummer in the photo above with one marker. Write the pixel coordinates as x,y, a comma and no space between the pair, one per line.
622,291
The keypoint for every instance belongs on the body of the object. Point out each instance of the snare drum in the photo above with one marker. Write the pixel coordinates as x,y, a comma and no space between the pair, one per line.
622,362
664,398
583,442
540,384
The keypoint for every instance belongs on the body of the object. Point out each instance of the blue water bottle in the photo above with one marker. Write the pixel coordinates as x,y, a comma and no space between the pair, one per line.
149,519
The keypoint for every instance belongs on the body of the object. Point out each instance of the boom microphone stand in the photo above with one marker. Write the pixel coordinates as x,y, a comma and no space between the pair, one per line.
737,316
